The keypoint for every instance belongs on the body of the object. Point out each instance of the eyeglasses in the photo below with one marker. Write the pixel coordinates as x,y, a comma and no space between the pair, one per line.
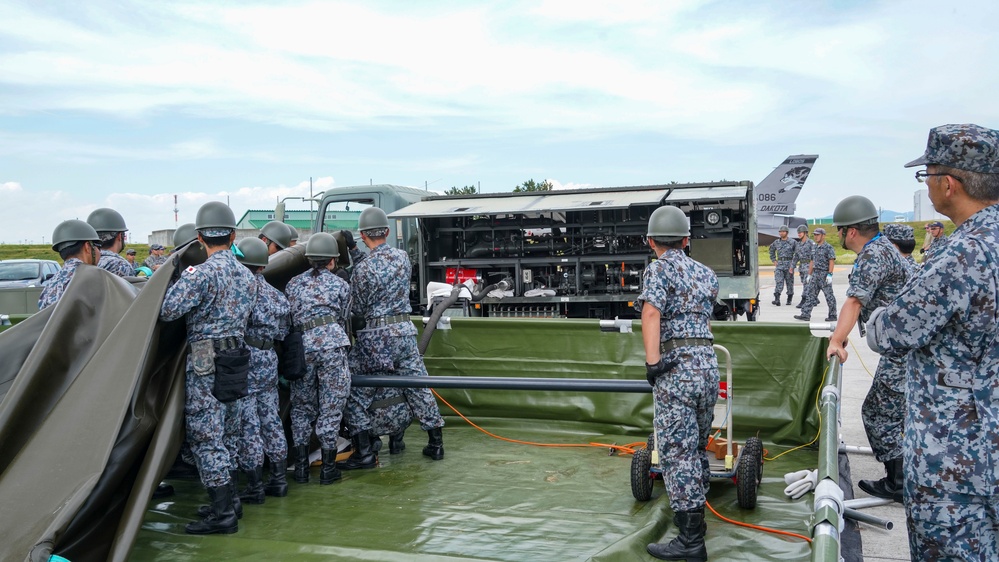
921,176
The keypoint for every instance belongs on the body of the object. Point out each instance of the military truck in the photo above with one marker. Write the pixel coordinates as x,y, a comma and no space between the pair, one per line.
563,254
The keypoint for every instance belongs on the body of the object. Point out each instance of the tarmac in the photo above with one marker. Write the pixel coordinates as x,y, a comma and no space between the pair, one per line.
858,374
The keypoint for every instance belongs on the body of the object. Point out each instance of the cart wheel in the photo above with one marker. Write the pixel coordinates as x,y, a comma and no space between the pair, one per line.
641,475
650,443
749,473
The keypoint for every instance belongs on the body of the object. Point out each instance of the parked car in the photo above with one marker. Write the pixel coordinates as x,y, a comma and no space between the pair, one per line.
26,273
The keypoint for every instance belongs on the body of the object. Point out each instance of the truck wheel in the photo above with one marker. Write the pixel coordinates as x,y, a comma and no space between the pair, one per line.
641,475
749,473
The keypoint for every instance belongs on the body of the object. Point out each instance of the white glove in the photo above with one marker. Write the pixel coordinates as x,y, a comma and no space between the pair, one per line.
828,278
872,330
808,279
800,483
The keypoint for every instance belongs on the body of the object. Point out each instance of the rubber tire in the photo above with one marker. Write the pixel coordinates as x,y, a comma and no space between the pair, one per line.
641,476
749,473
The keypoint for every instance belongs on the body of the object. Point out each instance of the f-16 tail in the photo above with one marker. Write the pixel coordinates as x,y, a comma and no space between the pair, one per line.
776,194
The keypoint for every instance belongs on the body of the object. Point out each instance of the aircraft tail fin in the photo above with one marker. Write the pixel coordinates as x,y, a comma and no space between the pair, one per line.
776,194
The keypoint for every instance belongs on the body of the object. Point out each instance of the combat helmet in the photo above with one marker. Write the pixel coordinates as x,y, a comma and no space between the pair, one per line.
72,231
278,233
855,209
783,228
254,252
106,220
215,214
668,222
802,228
185,233
372,218
322,245
292,233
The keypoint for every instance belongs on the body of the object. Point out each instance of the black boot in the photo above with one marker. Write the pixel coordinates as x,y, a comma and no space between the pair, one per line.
435,447
396,444
329,473
790,299
889,487
206,510
364,453
164,490
689,544
801,303
221,517
776,300
277,486
302,464
254,490
831,318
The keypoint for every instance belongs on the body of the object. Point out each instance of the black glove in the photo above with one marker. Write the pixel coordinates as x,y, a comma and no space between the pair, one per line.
654,370
348,237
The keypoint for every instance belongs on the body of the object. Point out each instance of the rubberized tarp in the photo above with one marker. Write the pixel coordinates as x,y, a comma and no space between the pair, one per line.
93,420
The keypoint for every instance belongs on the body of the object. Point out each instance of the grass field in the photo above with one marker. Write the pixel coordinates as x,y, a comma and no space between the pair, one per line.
846,257
42,252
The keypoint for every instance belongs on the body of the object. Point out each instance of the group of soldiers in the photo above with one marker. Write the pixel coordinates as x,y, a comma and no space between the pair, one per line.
815,261
237,322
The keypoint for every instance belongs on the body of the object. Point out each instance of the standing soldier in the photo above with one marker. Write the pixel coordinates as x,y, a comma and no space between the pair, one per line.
110,227
878,275
946,324
261,427
902,237
803,259
320,308
782,256
820,272
677,300
215,299
379,288
77,244
155,258
935,237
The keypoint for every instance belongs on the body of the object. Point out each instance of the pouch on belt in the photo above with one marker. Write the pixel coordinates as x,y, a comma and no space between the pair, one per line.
231,369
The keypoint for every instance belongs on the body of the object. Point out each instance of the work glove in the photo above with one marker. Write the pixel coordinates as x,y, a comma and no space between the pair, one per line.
828,278
808,279
800,483
654,370
872,329
348,237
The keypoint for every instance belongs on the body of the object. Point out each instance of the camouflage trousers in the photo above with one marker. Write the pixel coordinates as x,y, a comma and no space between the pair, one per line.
389,355
389,412
318,399
802,274
883,411
262,430
811,298
684,408
783,275
952,527
232,434
205,420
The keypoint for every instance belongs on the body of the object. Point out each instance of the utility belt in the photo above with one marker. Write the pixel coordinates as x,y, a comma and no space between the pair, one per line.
386,402
221,344
676,343
382,321
315,323
261,344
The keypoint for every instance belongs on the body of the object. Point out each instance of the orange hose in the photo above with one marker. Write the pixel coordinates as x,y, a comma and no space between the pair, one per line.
757,527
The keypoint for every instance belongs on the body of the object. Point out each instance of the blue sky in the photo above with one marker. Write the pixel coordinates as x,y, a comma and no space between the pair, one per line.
126,104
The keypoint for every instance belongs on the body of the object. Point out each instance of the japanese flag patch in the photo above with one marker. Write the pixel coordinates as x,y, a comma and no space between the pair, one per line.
190,269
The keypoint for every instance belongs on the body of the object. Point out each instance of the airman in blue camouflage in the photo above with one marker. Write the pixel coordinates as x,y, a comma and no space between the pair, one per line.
878,275
379,287
111,229
77,244
901,235
819,278
215,299
262,430
947,324
782,255
803,250
320,308
677,299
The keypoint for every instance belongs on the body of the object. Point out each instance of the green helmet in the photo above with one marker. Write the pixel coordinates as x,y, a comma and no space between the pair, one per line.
783,228
72,231
372,218
802,228
215,214
292,233
322,245
668,222
185,233
254,252
855,209
278,233
106,220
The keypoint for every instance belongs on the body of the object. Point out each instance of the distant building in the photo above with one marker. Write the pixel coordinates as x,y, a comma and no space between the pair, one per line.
251,222
922,208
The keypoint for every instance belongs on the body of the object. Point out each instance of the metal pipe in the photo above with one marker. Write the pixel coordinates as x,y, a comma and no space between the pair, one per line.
867,518
505,383
861,503
828,503
856,449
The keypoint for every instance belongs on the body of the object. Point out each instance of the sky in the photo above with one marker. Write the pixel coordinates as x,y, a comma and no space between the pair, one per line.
129,104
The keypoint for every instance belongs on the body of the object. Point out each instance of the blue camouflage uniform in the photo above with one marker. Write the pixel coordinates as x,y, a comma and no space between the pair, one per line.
684,292
947,321
320,396
379,288
54,288
262,430
818,281
803,252
116,264
782,256
215,298
911,264
878,276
